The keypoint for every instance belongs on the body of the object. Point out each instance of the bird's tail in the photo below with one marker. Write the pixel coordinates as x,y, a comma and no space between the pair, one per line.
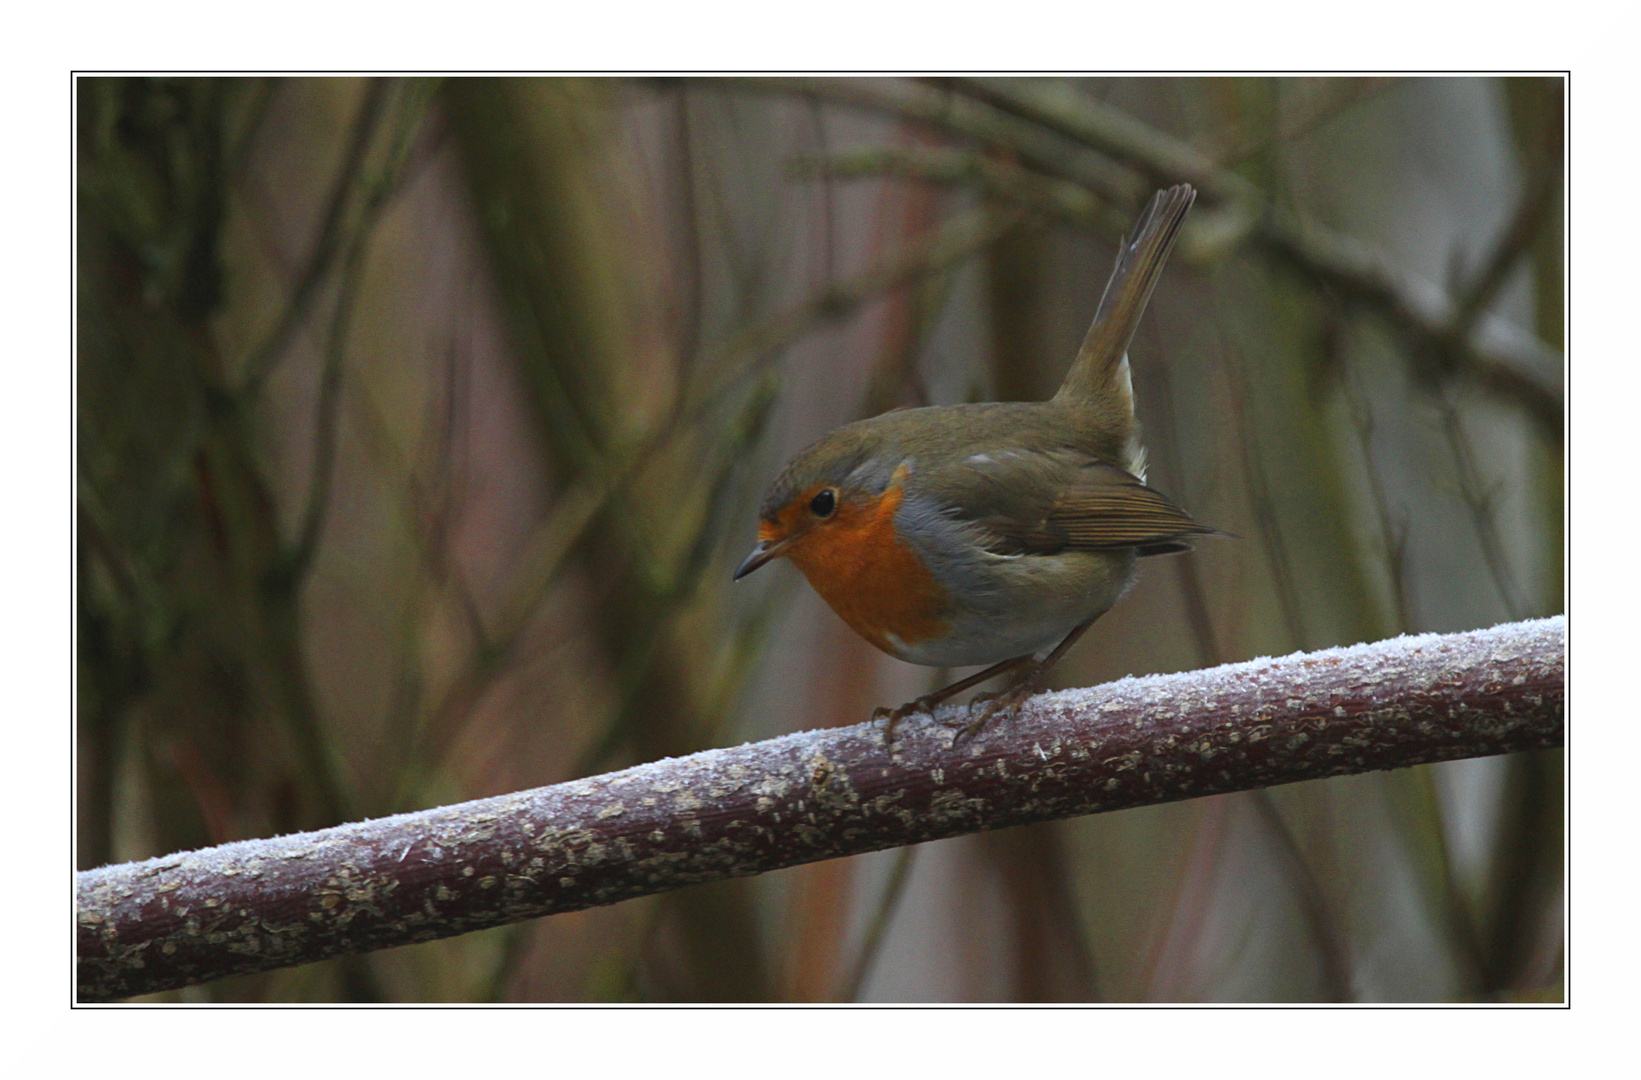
1099,376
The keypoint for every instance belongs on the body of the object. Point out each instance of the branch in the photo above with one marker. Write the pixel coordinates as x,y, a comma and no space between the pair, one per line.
260,364
1489,350
378,194
963,116
995,178
261,904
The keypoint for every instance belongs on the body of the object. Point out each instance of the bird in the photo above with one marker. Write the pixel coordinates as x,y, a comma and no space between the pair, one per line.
987,533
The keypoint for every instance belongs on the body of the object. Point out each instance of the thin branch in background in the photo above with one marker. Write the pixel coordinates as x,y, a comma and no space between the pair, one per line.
1346,95
748,275
530,579
1187,573
1393,529
1426,823
1163,971
1057,107
377,195
1524,883
730,454
828,207
321,472
1533,213
1331,945
994,178
939,108
448,452
693,304
1051,957
913,308
327,245
243,143
425,516
1480,497
426,510
1259,497
878,926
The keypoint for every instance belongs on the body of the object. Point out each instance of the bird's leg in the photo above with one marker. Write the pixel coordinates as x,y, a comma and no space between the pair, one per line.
927,702
1027,685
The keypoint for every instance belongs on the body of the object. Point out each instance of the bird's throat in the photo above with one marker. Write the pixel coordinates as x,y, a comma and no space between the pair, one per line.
874,579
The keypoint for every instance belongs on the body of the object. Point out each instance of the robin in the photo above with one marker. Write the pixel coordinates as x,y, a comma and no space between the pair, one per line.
960,535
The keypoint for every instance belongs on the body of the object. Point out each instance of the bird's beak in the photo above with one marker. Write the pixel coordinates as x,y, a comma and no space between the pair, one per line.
761,554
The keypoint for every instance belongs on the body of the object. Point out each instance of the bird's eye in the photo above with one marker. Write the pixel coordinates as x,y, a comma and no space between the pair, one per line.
824,503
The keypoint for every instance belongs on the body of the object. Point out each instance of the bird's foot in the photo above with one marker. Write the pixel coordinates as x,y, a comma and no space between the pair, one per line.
924,704
1007,703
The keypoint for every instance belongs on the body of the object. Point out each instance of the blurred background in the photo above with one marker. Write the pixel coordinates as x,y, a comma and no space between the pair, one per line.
422,422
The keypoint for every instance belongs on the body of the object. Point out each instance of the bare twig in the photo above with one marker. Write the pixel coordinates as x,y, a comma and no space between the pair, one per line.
1514,244
1345,94
1166,963
263,359
974,120
259,101
1392,529
1479,498
1261,500
262,904
1331,946
378,195
1060,108
877,929
1161,394
321,472
1498,357
997,179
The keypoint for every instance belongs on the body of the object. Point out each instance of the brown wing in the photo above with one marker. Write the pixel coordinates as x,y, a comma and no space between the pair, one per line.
1058,505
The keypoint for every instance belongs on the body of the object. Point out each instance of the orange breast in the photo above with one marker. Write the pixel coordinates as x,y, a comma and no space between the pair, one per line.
873,579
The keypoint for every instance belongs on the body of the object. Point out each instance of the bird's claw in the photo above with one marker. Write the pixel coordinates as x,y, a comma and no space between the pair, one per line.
926,703
966,725
1006,703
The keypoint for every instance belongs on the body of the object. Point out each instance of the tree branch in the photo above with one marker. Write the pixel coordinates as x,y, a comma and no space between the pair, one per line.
262,904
